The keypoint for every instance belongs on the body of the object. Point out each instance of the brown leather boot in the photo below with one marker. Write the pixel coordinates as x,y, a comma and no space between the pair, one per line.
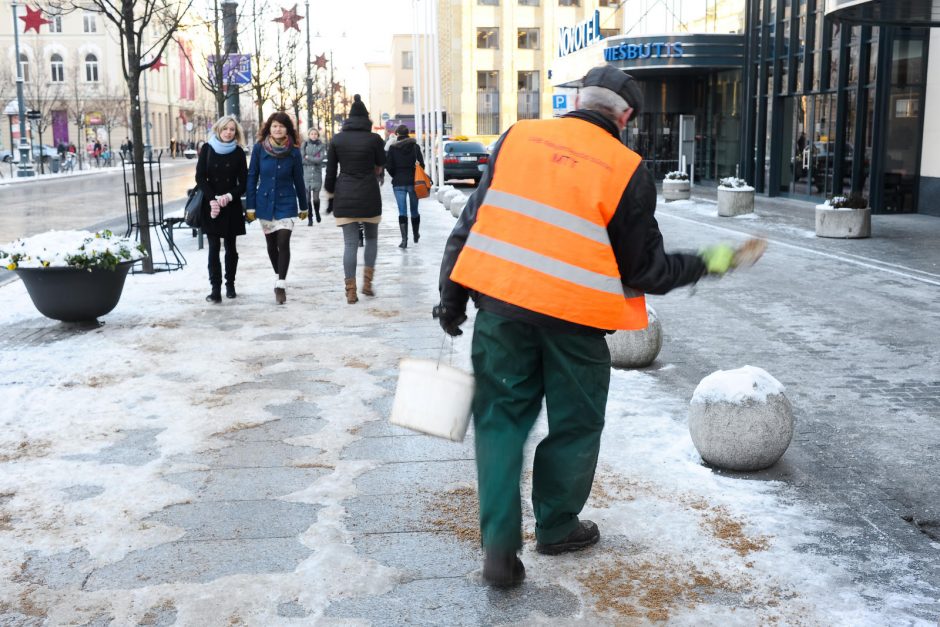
367,274
351,291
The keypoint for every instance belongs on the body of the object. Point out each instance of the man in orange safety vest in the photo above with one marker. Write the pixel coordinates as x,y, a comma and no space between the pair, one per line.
557,247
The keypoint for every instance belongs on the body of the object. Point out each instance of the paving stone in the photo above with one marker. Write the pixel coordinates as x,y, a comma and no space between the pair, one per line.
138,447
407,448
245,483
416,476
263,454
159,616
199,562
56,571
238,520
460,601
292,609
422,555
277,430
81,492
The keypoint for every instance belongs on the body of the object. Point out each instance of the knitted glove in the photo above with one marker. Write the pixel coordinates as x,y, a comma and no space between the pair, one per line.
250,215
303,215
717,258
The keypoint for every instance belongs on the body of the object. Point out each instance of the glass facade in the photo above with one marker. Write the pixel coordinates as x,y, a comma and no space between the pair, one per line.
833,108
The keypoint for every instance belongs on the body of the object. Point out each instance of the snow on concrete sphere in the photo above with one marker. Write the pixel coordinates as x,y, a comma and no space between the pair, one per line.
457,204
740,419
637,349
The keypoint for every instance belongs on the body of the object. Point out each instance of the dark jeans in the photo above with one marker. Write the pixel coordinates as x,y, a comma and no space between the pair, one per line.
402,193
231,260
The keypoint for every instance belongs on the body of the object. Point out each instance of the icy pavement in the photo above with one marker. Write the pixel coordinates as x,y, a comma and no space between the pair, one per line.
196,464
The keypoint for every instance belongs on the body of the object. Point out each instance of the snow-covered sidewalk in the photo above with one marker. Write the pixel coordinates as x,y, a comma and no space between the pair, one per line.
196,464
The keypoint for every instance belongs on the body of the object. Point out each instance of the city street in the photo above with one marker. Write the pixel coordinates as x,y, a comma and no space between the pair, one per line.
91,199
195,464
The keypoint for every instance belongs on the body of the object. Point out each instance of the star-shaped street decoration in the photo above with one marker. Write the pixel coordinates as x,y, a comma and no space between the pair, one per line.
33,19
320,62
290,19
158,64
337,87
346,101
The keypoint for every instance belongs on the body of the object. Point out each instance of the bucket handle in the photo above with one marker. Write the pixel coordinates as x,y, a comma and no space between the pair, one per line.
450,353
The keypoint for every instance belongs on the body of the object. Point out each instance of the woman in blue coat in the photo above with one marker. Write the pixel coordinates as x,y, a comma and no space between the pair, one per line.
276,190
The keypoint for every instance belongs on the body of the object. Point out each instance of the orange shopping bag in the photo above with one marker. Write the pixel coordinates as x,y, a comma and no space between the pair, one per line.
422,182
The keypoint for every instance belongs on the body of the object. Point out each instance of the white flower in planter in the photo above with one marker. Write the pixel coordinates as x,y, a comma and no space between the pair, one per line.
70,249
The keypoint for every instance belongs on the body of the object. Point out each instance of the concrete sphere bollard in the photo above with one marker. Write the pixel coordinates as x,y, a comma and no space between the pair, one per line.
451,194
442,192
740,419
457,204
637,349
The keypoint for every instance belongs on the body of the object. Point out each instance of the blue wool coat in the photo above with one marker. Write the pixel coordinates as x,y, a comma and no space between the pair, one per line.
275,185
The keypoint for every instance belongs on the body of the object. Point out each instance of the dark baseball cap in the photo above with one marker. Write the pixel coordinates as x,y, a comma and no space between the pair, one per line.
617,81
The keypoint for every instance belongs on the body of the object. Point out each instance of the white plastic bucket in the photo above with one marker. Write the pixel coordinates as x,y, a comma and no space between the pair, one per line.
432,398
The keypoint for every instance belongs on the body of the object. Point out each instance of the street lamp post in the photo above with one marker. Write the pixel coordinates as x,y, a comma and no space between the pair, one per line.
230,29
26,168
148,149
309,78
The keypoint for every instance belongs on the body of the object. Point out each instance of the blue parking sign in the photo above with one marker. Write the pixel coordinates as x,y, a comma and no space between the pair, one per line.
560,101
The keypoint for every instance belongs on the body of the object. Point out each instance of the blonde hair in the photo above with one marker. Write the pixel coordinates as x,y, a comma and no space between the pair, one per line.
220,124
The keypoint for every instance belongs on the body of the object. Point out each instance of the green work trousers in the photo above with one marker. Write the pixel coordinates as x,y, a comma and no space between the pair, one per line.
515,365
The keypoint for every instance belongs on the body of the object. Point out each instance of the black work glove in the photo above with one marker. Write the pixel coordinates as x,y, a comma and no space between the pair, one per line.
329,206
450,321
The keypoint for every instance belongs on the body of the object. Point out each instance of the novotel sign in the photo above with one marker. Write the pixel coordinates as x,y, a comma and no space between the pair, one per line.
656,50
586,32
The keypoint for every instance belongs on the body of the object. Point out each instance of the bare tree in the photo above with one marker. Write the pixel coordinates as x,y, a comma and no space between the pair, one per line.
43,93
78,100
145,27
265,75
114,107
212,70
291,89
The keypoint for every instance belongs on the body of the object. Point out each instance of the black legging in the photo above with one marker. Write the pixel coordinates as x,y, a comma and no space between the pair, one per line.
279,251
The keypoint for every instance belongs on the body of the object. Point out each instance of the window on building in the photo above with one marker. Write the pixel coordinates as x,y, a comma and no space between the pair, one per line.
609,32
610,3
529,3
407,60
494,3
529,96
569,3
24,67
408,95
488,103
90,25
528,38
91,68
488,38
57,68
55,23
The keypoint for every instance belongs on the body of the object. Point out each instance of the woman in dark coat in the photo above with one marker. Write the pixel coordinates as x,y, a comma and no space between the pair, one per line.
402,157
275,191
354,195
221,174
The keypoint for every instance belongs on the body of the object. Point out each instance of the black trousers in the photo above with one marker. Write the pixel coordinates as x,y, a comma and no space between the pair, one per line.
231,259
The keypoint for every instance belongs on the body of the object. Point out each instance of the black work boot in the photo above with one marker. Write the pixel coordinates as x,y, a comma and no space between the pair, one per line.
584,535
215,296
403,226
415,223
502,569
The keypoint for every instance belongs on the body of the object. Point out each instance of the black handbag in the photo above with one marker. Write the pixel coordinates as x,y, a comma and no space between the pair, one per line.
193,209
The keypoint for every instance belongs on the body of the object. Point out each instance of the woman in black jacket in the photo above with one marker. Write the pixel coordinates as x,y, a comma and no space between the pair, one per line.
221,173
402,157
354,195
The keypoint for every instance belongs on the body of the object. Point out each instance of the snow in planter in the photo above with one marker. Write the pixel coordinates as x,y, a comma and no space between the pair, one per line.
70,249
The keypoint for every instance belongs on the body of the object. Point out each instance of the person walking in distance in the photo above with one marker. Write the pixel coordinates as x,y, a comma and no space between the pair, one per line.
358,155
402,157
314,154
275,191
556,246
221,174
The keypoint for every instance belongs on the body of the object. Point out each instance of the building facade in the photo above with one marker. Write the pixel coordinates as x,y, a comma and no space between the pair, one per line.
800,100
73,79
496,54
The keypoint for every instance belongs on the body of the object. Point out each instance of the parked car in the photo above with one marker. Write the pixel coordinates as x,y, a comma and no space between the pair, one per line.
47,153
465,160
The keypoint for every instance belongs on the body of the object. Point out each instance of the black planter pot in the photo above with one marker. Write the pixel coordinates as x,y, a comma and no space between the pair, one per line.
72,294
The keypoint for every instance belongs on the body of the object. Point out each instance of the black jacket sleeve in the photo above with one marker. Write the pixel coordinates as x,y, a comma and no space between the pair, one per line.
638,244
329,183
419,157
241,175
202,173
453,295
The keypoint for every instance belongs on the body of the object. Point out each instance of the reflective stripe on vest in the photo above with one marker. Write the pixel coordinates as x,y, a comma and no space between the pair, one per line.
540,239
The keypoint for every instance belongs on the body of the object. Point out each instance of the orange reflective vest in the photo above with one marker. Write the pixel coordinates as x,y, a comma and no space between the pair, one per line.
540,238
